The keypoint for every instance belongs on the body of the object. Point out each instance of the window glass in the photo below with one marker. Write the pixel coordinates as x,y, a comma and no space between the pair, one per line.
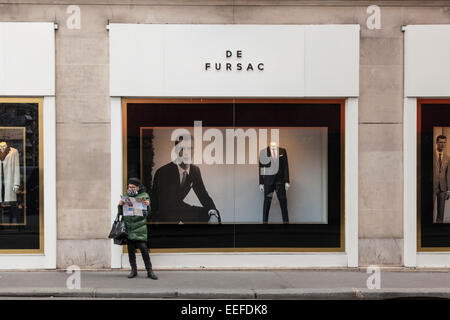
20,214
434,183
239,175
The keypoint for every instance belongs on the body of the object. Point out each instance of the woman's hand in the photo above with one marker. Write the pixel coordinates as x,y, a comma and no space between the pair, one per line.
144,201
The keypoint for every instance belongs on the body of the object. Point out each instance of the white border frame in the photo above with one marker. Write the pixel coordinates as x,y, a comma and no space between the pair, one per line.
410,182
116,171
351,181
413,258
48,259
250,260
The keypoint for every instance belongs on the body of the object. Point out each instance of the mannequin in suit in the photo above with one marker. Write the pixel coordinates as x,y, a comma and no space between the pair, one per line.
441,177
10,173
171,184
9,181
274,180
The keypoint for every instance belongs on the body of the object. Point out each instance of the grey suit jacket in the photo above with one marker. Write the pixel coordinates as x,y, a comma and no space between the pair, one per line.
441,177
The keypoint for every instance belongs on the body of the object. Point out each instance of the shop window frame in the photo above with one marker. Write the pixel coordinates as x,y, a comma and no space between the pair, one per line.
341,102
40,103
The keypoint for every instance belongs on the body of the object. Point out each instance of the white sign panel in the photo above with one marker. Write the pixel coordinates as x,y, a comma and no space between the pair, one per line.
427,61
234,60
27,59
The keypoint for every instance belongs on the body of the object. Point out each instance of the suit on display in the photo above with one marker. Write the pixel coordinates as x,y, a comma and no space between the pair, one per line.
441,183
171,185
10,173
274,180
9,182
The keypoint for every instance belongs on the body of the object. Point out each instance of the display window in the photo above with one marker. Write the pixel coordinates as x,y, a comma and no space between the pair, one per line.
21,216
239,175
433,121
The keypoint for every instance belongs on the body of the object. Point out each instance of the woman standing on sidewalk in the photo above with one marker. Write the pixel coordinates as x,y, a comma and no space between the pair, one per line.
137,228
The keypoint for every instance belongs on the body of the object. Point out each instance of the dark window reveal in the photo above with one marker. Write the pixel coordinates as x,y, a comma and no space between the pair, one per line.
300,206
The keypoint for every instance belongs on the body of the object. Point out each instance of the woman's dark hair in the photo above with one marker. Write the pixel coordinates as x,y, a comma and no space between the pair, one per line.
134,181
137,182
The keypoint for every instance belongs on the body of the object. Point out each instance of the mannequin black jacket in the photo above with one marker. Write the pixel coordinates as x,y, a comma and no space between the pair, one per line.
282,175
168,195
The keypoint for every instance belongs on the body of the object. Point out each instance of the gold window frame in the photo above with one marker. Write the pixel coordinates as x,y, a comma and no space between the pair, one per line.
40,103
419,247
341,102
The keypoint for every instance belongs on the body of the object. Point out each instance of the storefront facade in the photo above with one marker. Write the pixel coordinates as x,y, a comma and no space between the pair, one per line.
28,197
425,131
178,90
338,93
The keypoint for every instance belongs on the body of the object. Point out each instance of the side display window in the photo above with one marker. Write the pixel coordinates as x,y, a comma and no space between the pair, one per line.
21,220
239,175
433,123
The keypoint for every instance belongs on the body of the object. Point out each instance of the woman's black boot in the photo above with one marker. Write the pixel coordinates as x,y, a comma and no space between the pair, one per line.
148,264
133,273
151,275
132,258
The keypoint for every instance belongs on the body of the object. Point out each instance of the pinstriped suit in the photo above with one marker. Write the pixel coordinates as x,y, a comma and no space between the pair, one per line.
441,183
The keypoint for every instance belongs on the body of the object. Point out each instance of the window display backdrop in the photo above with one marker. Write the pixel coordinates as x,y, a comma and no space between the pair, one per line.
235,187
20,214
310,135
433,130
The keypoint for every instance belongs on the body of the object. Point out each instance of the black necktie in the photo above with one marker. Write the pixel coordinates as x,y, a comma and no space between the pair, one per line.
183,179
440,161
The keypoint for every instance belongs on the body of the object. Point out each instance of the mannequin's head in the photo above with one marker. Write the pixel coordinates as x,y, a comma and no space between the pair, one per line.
273,145
3,146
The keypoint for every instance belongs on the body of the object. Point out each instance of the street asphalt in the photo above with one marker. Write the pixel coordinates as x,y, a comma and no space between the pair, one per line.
349,284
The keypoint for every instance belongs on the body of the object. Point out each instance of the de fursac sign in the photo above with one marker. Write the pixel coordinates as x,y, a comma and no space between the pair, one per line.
234,60
228,66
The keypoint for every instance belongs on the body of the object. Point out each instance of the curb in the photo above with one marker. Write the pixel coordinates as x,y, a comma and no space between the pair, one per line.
239,294
216,294
136,293
47,292
419,293
307,294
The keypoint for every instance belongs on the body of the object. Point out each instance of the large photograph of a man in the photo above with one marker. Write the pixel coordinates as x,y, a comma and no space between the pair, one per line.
236,191
441,176
171,185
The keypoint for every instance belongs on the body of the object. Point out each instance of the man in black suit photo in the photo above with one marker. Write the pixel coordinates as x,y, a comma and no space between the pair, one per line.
172,183
274,176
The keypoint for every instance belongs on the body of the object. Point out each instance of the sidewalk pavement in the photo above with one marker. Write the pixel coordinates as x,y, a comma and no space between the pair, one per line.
349,284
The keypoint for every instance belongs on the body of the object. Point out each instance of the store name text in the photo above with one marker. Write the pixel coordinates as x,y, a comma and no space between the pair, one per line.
230,66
